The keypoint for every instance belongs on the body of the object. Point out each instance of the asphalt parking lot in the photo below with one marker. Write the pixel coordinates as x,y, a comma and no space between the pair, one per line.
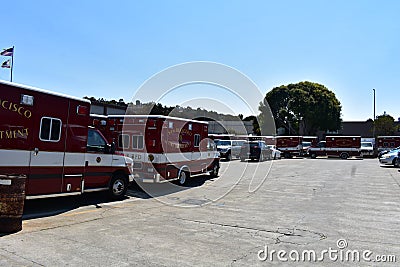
289,205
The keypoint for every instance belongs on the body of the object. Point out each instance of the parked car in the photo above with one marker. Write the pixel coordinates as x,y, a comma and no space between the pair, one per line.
367,149
275,153
229,149
383,152
390,158
255,150
397,162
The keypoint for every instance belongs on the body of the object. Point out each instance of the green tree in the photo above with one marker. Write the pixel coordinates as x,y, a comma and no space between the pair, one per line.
311,105
256,126
384,125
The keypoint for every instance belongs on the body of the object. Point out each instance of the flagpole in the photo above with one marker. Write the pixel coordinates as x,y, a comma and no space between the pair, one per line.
12,64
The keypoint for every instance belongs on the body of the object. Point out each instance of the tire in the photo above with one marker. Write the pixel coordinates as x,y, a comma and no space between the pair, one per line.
396,162
313,156
344,155
215,170
183,176
261,158
229,157
286,155
242,159
118,187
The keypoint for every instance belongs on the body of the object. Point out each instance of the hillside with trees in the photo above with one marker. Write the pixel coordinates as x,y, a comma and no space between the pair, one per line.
152,108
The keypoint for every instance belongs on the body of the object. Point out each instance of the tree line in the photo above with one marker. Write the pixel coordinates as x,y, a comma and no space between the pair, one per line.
301,108
153,108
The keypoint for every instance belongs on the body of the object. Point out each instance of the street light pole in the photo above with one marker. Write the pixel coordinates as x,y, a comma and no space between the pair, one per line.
374,112
301,126
374,104
288,122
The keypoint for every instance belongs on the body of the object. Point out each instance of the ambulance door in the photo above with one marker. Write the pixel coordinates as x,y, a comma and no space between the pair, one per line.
75,147
47,152
98,161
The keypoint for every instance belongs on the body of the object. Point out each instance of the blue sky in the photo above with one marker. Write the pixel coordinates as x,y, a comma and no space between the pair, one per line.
109,48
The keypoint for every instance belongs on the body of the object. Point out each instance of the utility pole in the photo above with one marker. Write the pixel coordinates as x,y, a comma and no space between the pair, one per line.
288,122
374,113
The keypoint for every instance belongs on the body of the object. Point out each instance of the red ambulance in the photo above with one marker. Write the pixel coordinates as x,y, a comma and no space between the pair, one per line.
337,146
46,137
290,145
163,148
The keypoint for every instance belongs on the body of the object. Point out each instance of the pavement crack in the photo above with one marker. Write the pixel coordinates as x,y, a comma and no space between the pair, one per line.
20,256
291,233
394,179
228,225
60,226
239,258
304,238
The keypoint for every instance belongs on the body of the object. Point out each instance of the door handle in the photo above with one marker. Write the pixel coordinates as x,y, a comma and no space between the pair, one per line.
36,151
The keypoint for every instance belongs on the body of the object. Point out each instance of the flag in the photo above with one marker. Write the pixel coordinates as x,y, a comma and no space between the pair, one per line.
6,64
7,52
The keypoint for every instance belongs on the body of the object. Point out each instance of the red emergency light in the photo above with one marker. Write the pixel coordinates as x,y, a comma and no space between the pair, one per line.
81,110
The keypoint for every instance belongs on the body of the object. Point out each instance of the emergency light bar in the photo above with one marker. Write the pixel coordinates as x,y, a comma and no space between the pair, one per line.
81,110
26,100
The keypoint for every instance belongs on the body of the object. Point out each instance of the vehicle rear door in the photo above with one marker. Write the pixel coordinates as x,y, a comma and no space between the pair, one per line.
16,129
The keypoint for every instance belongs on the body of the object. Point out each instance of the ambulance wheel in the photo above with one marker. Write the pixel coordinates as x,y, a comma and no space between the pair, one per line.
183,176
118,186
344,156
313,155
215,170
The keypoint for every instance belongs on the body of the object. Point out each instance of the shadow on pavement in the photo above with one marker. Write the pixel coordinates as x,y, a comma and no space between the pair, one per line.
149,190
46,207
39,208
388,166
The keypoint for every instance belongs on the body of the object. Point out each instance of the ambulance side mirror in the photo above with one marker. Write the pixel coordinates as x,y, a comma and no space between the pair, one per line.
110,148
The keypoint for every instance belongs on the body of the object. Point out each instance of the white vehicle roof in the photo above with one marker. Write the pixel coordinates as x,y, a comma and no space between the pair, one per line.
31,88
346,136
156,117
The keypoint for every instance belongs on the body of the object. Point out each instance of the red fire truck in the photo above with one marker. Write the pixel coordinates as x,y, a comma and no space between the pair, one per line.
387,142
46,137
337,146
290,145
163,148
